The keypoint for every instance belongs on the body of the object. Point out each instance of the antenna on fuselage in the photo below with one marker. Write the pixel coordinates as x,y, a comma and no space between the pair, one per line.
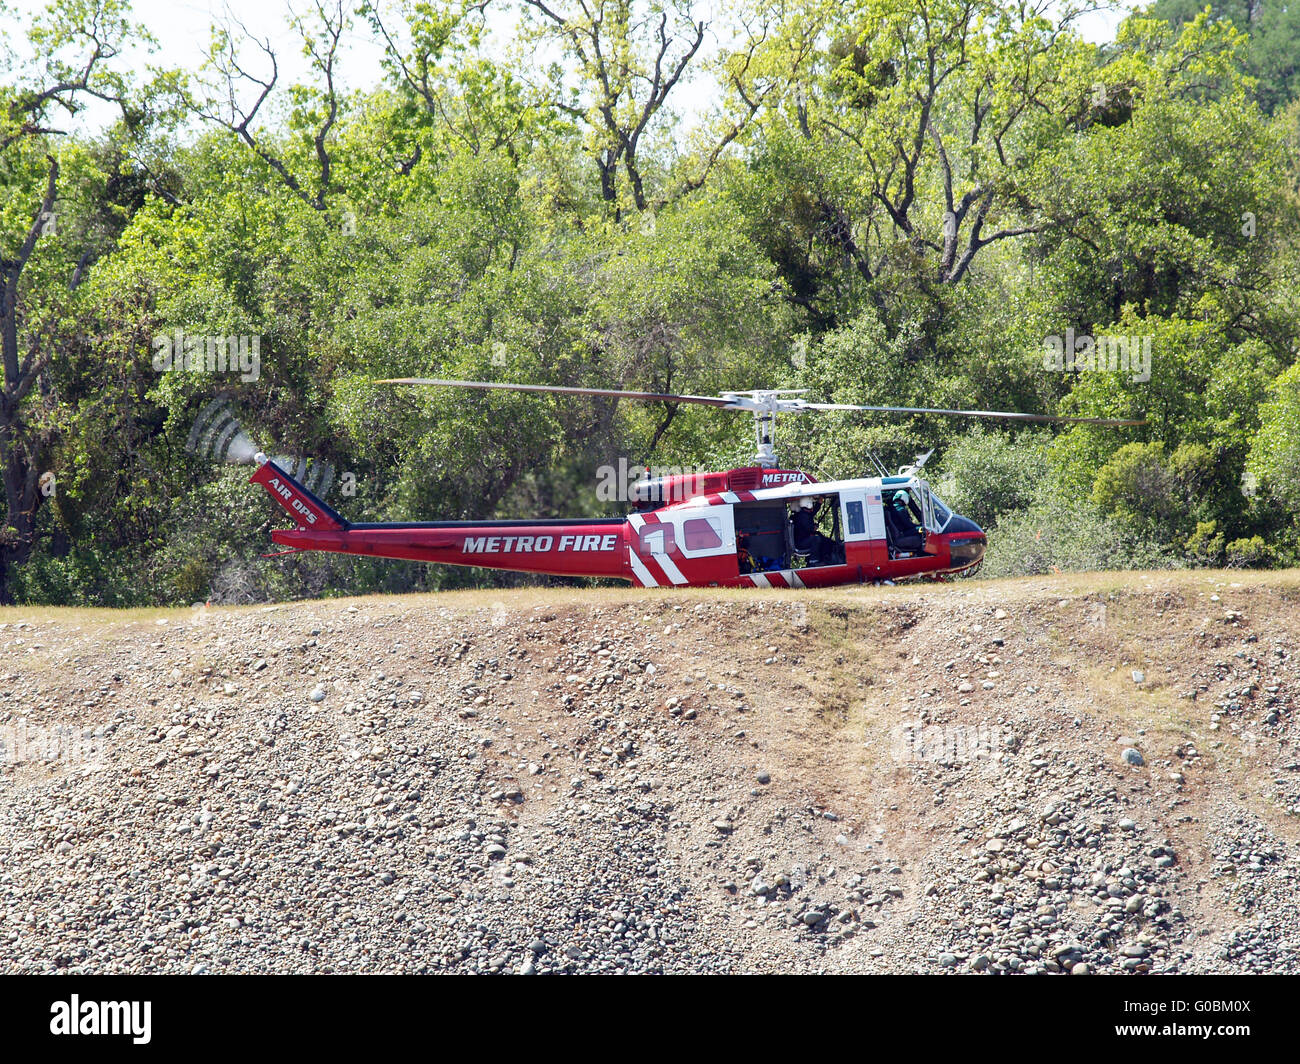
917,463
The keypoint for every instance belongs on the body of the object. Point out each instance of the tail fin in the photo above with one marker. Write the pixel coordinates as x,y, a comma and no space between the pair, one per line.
297,501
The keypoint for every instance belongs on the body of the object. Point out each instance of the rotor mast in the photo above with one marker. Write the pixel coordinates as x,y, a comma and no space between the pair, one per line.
765,405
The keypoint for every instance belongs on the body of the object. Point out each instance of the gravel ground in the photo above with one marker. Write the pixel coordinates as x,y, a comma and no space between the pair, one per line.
1070,775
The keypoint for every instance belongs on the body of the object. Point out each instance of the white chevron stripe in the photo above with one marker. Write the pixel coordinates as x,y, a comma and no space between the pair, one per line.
669,567
640,571
760,580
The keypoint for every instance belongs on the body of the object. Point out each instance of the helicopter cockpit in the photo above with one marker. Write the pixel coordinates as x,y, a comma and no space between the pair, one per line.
942,513
905,520
927,513
912,512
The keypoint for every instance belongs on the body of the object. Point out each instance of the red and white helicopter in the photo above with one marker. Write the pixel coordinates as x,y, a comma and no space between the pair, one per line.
757,526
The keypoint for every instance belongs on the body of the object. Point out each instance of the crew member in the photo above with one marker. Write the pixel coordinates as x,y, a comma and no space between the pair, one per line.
807,540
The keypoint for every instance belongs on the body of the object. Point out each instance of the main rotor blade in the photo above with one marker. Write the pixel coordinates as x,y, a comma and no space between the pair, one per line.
664,397
750,401
977,413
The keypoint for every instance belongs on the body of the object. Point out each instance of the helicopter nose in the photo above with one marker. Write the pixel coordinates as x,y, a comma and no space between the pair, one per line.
966,542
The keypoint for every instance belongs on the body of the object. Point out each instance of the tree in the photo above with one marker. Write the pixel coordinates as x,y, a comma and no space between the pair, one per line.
630,56
316,107
988,475
1271,56
1172,210
629,61
931,111
1275,451
79,40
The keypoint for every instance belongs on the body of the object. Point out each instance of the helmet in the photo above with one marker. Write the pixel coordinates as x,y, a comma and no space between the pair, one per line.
807,503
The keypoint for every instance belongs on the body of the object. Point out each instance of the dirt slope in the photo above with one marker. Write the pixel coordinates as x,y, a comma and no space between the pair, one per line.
1075,774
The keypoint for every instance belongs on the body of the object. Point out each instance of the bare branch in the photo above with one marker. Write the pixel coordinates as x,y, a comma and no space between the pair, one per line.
239,119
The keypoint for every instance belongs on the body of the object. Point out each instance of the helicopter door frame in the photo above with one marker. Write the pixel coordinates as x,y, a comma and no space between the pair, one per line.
863,514
875,514
928,524
834,509
667,542
855,519
927,508
720,519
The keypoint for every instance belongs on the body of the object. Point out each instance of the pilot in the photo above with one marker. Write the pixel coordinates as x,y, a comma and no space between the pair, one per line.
905,535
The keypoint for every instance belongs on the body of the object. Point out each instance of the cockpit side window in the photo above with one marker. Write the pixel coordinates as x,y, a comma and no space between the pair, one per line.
906,502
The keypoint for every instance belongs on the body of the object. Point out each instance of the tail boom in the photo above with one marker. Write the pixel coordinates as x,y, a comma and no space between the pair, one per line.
594,547
590,548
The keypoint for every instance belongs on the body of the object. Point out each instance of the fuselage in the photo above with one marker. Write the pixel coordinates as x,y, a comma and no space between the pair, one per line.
871,529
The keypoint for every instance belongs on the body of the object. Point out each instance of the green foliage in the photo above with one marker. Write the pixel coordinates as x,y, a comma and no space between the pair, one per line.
1182,499
1252,553
1275,451
988,475
1205,545
893,203
1065,533
1139,487
1271,55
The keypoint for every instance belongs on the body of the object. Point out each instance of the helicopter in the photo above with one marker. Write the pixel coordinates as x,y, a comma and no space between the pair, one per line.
755,526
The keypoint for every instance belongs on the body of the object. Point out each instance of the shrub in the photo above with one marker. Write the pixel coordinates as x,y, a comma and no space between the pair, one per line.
1062,534
985,475
1252,553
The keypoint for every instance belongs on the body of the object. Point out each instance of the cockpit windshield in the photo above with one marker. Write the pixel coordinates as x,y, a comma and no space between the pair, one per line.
942,513
937,512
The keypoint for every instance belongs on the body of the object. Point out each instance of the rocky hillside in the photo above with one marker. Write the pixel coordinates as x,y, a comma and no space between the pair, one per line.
1076,774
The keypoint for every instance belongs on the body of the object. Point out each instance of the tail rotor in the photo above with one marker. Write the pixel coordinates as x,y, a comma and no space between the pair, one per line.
218,436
